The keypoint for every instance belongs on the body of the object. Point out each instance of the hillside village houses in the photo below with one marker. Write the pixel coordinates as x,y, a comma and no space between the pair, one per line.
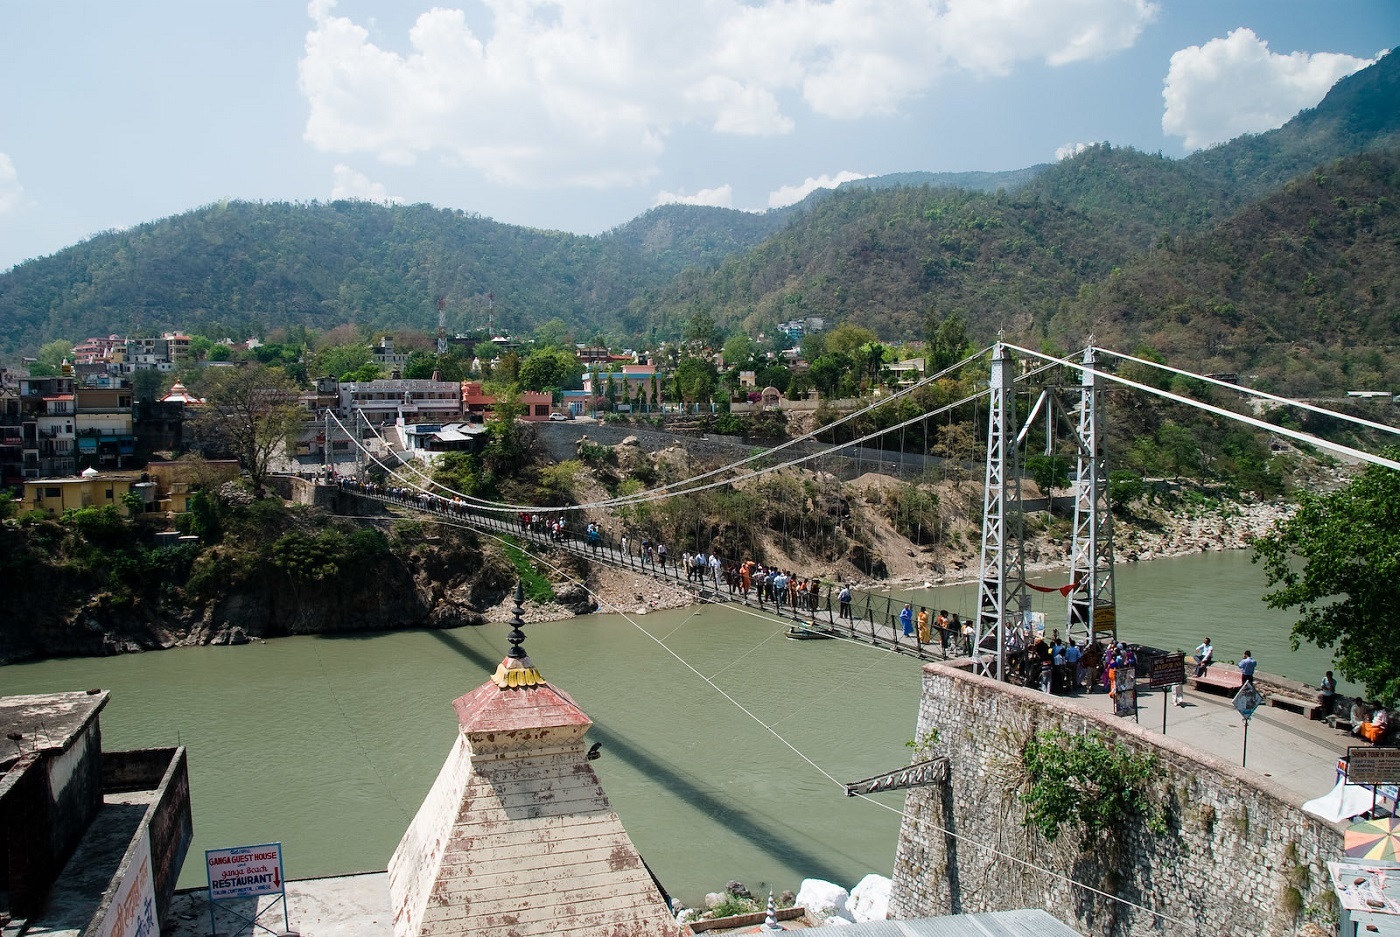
86,416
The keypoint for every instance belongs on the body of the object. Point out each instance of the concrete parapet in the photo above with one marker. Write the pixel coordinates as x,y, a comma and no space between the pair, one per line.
1238,857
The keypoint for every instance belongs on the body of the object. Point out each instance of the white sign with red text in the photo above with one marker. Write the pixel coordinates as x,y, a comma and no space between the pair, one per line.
245,871
132,912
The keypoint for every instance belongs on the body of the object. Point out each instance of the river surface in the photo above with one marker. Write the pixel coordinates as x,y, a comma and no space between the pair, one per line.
328,744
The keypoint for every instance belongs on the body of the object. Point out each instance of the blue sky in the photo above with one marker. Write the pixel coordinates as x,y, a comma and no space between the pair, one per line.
580,115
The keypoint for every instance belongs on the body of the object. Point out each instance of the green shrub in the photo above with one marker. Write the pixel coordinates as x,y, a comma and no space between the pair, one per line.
733,904
1089,780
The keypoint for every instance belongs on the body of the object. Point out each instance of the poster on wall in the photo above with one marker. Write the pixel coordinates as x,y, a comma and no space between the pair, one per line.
1125,692
132,911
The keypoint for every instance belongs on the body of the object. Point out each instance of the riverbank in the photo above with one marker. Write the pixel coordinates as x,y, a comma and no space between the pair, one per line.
1152,534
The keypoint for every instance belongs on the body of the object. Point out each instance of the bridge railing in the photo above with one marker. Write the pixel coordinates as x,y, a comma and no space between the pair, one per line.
871,617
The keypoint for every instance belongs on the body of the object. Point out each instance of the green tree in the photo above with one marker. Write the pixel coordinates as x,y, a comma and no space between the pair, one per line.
1124,487
1336,560
1049,472
696,380
775,375
147,384
457,471
1178,447
739,350
947,341
552,334
53,353
813,346
873,358
826,373
369,371
549,369
336,360
700,330
250,413
846,338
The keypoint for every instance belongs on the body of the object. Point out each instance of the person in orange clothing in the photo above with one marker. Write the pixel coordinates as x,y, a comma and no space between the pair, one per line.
1373,730
924,633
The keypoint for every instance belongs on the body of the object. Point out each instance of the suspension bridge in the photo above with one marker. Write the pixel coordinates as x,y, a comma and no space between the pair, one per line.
1068,394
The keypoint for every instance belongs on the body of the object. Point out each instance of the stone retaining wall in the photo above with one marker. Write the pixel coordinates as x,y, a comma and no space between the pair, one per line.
1239,857
560,441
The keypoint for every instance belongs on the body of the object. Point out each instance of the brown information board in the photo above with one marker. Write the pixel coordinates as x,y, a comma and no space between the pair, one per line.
1168,670
1367,765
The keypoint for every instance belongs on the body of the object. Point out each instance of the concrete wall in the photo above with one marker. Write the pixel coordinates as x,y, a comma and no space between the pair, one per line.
47,800
168,819
1238,858
27,865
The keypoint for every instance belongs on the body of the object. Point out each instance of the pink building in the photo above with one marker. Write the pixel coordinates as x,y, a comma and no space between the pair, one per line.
477,403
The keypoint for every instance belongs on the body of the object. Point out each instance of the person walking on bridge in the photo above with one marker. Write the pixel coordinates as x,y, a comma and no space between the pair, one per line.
906,620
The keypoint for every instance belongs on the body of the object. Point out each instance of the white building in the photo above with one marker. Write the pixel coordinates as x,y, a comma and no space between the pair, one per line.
416,401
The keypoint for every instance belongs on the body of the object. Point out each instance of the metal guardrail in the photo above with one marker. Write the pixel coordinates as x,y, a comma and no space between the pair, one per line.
869,617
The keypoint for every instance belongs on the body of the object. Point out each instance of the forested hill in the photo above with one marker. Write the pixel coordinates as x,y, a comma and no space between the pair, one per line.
1152,195
1298,291
238,266
1021,255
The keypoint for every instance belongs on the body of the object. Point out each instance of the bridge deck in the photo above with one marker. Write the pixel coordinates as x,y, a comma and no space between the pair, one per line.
873,618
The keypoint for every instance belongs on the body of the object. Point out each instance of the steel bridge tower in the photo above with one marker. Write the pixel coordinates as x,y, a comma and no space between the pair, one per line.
1092,609
1002,598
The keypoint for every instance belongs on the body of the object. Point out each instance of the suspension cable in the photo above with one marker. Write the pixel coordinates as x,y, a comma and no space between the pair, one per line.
1361,421
808,760
652,494
1218,411
663,494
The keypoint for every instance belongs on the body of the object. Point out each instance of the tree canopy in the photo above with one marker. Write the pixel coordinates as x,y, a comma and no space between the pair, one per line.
1336,560
251,412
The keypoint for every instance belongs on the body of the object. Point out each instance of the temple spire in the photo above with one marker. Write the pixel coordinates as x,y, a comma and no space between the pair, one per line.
517,670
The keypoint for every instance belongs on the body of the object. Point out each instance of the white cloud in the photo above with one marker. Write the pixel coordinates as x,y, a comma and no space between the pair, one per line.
1217,91
349,184
1072,149
788,194
567,93
10,189
720,197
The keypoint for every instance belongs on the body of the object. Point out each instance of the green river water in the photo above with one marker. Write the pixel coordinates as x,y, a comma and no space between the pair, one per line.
329,744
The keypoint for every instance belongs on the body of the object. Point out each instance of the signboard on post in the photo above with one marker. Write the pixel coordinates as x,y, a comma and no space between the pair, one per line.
245,871
1366,765
1167,671
1125,692
1247,700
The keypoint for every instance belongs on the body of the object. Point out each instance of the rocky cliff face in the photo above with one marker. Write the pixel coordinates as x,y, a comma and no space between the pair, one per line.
434,583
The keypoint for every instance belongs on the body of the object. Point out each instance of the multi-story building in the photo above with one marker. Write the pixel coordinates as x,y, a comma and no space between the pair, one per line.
144,354
46,426
55,434
177,346
94,350
11,434
103,427
386,357
417,401
476,402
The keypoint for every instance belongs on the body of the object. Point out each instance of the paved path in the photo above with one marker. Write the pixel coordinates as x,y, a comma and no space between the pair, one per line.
1293,752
